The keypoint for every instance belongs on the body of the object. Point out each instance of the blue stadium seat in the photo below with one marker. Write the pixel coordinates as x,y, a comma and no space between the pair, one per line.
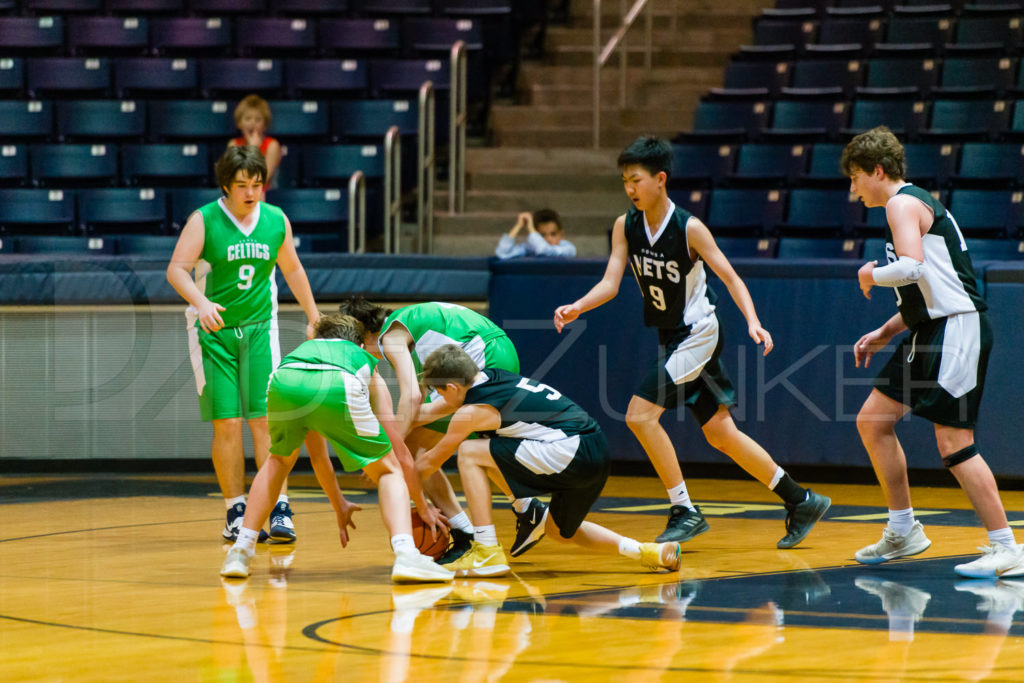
64,6
474,8
146,6
218,7
722,121
769,165
1016,130
995,249
975,76
191,36
894,72
185,200
873,249
323,211
392,76
107,35
326,78
13,164
863,30
146,245
37,211
373,118
820,212
990,164
903,117
935,30
276,36
166,164
823,167
986,213
156,77
26,120
191,120
747,247
738,211
44,244
392,7
239,77
122,210
12,76
332,165
68,77
824,73
701,165
819,247
694,201
810,121
931,165
797,31
1001,29
360,36
301,120
78,165
81,120
299,8
961,120
439,34
31,35
750,75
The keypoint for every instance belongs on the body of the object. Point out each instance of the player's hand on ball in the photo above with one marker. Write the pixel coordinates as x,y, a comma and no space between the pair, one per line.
565,315
345,520
760,335
432,519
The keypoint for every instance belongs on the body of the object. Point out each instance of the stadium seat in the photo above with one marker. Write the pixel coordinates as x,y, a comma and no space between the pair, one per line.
394,76
276,36
120,210
975,77
767,53
392,7
807,121
694,201
191,121
360,36
146,245
863,30
749,75
921,74
48,244
191,36
824,73
1001,29
64,6
293,8
748,247
12,76
165,164
31,35
373,118
300,120
1016,130
68,77
83,120
31,211
796,31
328,78
935,30
439,34
701,165
738,211
146,6
239,77
474,8
962,120
332,165
156,77
819,247
184,201
903,117
873,249
995,249
931,165
13,164
820,212
107,35
79,165
26,120
823,167
986,213
989,165
321,211
216,7
768,165
729,121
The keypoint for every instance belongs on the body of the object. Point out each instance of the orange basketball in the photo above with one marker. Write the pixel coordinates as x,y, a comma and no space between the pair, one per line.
421,537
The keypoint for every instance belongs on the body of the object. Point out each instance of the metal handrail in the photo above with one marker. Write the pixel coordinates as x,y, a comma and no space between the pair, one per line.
392,188
457,130
357,212
425,168
601,55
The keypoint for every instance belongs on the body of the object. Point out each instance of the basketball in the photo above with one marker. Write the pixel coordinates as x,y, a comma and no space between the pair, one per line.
421,537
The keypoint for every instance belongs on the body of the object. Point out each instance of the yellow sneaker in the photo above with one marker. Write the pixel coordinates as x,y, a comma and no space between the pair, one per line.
481,560
657,556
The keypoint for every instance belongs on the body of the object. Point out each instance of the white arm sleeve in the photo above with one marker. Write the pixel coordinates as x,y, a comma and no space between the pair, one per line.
903,271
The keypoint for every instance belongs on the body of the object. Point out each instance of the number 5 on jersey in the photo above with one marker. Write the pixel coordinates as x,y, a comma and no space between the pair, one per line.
554,394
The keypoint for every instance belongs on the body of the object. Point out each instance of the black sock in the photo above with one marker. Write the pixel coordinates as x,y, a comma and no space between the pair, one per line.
790,491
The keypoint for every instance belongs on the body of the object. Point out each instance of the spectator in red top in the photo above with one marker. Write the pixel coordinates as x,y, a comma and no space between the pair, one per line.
252,116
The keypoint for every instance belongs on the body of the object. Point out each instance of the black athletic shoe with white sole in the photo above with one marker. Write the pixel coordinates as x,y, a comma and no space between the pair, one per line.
529,527
683,525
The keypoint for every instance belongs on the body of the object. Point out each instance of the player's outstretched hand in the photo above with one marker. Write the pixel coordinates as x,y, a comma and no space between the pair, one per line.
866,279
209,316
760,335
345,520
867,346
565,315
432,519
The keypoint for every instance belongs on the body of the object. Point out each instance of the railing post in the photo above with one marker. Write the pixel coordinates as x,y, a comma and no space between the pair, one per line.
596,104
425,169
357,212
392,189
623,60
457,131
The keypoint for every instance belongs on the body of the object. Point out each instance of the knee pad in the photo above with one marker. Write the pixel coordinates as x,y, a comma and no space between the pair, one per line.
960,456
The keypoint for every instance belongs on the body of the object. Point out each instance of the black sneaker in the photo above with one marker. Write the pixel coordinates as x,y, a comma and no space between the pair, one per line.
461,542
281,528
683,524
801,518
529,527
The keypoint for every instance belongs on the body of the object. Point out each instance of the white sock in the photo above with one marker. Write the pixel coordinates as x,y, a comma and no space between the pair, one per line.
461,522
629,547
231,502
283,498
403,544
247,540
521,505
485,535
678,496
1004,537
777,477
901,521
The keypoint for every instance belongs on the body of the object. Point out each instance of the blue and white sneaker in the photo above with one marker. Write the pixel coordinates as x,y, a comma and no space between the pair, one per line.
281,528
236,513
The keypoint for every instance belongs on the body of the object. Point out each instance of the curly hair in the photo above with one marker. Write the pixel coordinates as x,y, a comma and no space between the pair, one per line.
876,147
372,316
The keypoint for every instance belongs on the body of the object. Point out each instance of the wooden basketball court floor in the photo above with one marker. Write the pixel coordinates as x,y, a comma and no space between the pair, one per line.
115,577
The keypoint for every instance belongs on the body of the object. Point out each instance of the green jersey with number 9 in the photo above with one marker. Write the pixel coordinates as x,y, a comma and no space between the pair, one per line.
236,268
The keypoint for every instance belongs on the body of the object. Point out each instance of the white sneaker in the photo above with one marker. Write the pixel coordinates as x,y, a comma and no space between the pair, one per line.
897,599
893,545
418,568
997,561
996,596
236,564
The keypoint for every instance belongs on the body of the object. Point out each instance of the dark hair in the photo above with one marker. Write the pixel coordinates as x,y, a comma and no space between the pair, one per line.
370,315
876,147
338,326
240,158
547,216
652,153
448,363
